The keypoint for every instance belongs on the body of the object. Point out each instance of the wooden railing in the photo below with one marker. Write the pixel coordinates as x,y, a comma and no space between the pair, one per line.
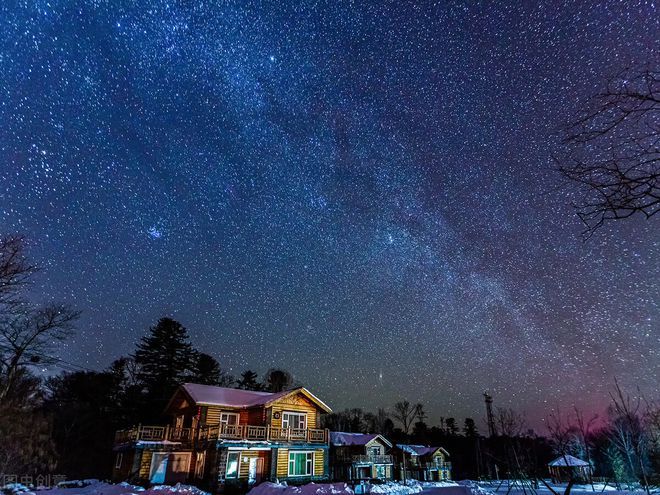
153,434
372,459
220,432
437,465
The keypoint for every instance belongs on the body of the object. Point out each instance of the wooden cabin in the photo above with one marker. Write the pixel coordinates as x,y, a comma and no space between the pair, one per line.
222,437
360,456
422,463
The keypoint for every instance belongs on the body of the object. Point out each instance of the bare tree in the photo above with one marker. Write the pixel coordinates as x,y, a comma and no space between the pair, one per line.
509,422
613,150
28,334
584,431
406,414
15,271
628,433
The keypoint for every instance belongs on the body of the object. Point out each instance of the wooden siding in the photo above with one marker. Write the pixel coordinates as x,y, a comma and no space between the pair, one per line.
254,416
296,403
283,462
145,464
319,463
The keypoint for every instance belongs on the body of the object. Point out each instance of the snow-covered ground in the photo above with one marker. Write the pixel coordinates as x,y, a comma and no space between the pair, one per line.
269,488
96,487
467,487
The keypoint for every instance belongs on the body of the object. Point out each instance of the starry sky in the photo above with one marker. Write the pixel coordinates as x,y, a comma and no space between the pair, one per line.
359,192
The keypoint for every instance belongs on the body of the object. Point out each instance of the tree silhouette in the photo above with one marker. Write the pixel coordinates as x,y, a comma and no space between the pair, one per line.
248,381
612,151
165,359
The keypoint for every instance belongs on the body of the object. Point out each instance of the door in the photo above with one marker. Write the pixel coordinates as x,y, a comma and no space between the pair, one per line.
177,467
158,471
255,470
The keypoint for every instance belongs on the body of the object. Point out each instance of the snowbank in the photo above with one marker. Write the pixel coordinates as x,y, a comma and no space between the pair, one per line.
269,488
392,488
96,487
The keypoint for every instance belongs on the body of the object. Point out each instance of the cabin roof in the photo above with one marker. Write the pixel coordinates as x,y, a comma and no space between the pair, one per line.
420,450
567,461
343,439
210,395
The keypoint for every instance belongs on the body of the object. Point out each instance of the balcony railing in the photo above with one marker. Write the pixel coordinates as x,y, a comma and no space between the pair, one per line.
154,434
437,465
372,459
220,432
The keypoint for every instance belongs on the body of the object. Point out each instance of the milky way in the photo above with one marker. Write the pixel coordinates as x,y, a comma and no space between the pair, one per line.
360,193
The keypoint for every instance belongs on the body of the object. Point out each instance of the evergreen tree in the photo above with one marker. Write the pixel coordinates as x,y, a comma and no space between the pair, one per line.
207,371
165,359
249,381
277,380
452,427
470,428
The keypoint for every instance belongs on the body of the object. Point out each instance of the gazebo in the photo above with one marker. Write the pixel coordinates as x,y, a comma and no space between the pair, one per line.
567,467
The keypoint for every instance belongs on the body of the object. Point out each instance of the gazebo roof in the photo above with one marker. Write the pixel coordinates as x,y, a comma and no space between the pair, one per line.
568,461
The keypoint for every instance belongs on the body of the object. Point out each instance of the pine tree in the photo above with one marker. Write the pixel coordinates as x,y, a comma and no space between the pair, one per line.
249,381
207,371
277,380
452,427
469,428
165,359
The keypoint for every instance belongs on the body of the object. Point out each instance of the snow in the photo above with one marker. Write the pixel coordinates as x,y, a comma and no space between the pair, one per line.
568,460
230,397
340,438
417,449
467,487
269,488
96,487
153,442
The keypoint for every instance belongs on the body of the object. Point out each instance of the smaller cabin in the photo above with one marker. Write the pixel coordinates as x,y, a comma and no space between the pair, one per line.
360,456
567,467
423,463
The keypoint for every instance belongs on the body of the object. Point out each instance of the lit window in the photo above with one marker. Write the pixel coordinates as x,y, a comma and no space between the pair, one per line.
295,421
301,463
232,465
229,418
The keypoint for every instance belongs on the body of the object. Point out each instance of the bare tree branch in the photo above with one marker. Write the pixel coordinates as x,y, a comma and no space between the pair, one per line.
612,151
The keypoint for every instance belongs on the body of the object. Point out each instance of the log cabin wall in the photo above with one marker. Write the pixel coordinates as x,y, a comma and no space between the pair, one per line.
296,403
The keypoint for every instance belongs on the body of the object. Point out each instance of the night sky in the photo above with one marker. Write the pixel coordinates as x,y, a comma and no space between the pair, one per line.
360,193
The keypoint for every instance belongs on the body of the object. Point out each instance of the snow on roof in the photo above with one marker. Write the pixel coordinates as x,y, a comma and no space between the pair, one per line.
230,397
417,449
233,397
343,439
568,460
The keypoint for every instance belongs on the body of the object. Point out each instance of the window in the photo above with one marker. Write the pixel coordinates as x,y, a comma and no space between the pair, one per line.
200,459
232,465
301,463
293,420
228,418
120,457
375,450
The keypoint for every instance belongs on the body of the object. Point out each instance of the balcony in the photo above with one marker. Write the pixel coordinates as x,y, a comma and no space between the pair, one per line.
372,459
154,434
437,465
208,433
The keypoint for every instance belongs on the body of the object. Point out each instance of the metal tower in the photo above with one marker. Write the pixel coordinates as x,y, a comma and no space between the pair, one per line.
489,414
